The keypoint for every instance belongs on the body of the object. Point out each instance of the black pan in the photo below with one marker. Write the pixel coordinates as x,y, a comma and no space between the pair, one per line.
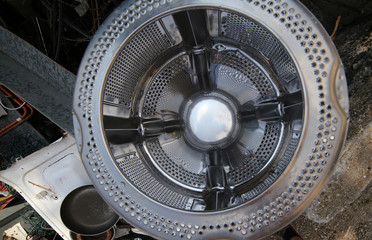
84,212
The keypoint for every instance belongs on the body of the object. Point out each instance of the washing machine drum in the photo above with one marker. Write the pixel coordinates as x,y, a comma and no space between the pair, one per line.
208,119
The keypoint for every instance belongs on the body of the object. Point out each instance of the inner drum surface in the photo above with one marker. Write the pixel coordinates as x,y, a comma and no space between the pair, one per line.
162,164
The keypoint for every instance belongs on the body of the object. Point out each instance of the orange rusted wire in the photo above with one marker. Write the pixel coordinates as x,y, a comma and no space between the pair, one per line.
336,27
25,116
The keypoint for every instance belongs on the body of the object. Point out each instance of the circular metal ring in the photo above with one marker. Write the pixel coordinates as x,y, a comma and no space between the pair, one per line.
152,65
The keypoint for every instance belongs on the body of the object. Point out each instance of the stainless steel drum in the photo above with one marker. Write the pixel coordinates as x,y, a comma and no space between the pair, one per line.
210,119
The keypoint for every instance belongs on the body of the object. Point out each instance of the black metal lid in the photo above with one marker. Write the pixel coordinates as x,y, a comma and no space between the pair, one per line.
84,212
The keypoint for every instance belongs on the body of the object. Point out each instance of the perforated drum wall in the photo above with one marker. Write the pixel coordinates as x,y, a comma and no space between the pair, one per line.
210,119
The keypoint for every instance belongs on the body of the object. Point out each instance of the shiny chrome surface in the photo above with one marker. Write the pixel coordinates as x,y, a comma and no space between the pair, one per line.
211,120
268,68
